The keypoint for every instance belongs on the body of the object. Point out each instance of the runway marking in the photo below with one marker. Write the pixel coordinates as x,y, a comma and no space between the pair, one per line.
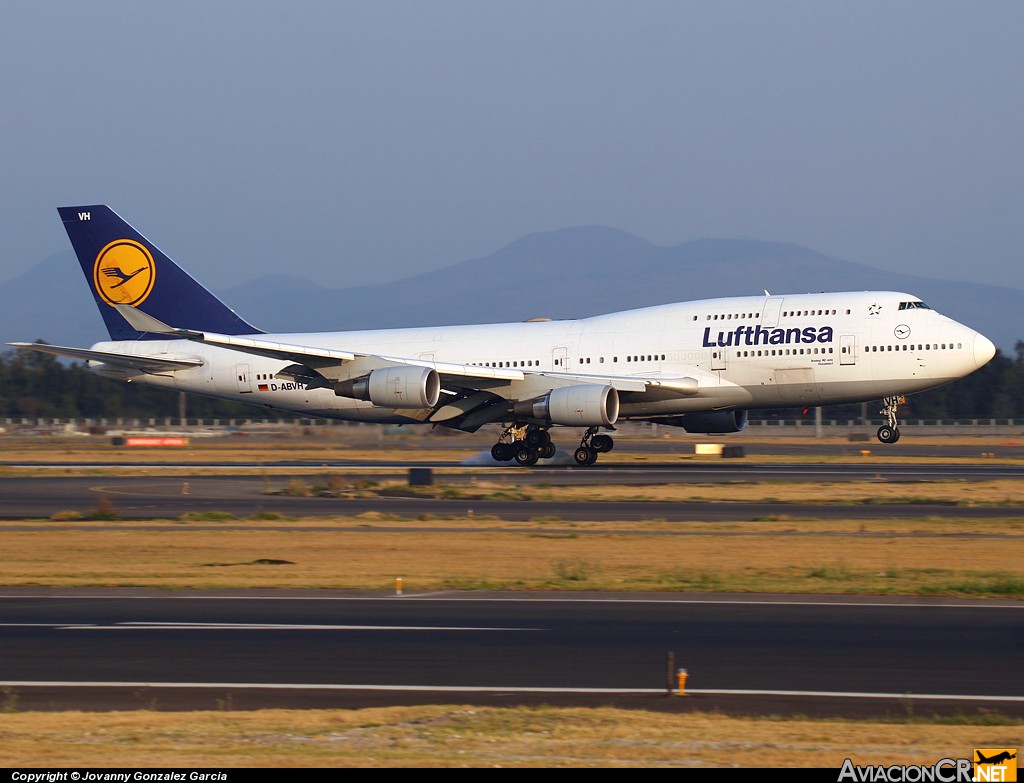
497,689
198,626
440,596
28,625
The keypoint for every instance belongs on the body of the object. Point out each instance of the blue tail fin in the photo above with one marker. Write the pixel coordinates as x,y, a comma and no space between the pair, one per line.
123,267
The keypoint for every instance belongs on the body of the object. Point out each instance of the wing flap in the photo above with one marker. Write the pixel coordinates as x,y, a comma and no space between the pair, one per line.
461,407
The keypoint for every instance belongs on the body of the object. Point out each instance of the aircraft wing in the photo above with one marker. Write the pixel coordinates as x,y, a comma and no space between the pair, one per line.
461,376
475,394
330,361
144,363
326,361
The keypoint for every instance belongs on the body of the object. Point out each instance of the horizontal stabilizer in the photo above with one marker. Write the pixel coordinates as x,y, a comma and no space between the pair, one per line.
141,322
144,363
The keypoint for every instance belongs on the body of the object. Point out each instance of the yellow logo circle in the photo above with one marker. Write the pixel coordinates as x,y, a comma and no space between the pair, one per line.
124,273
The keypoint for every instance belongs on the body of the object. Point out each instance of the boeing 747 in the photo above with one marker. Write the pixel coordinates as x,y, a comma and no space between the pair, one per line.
698,365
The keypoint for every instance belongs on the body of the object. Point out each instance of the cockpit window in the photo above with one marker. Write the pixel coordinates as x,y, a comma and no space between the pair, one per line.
914,306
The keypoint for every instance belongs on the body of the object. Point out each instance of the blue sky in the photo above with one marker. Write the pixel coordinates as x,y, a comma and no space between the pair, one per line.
364,142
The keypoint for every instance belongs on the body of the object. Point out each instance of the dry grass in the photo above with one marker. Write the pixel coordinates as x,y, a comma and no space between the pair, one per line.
452,736
1006,492
895,557
771,554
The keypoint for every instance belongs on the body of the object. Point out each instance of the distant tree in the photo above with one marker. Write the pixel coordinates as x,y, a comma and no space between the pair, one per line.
34,385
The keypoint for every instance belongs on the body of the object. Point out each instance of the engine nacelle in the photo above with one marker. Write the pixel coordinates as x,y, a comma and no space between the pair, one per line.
709,423
395,387
575,406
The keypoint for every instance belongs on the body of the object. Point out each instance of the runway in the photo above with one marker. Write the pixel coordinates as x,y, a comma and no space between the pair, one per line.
102,649
675,472
143,497
844,656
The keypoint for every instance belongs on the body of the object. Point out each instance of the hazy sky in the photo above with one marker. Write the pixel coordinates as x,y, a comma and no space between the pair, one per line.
356,142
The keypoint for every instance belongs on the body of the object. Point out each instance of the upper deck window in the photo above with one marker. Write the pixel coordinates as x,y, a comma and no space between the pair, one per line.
914,306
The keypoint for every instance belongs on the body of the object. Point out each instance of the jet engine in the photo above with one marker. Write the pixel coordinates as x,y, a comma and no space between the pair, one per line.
394,387
574,406
709,423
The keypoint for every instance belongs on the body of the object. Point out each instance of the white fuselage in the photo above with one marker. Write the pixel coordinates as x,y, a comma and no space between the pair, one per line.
744,352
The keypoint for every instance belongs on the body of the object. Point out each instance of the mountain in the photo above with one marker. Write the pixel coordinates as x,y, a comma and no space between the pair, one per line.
569,273
51,301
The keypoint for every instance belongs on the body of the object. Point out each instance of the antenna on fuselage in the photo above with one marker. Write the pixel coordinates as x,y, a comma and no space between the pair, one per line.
766,292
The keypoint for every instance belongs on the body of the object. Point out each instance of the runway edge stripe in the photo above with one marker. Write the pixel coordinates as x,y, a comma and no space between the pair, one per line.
496,689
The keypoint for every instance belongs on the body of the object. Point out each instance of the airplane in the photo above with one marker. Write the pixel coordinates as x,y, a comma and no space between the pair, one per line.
996,759
699,365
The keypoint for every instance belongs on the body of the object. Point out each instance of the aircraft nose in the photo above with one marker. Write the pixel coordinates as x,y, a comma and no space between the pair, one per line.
984,350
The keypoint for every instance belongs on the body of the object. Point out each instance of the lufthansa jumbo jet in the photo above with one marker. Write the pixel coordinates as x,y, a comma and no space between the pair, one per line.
697,365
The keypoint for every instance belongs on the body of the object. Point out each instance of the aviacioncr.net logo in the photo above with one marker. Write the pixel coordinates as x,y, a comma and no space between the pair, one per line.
124,273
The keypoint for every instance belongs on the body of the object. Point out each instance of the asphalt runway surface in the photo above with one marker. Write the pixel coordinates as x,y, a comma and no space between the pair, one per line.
100,649
152,496
107,649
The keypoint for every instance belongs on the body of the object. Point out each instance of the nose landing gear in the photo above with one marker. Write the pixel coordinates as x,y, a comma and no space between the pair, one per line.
890,431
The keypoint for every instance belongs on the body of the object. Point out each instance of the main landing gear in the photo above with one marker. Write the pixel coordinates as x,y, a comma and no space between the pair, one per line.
591,445
526,444
529,443
890,431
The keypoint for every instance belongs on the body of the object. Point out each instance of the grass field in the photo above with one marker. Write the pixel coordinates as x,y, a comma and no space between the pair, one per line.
947,556
799,555
460,736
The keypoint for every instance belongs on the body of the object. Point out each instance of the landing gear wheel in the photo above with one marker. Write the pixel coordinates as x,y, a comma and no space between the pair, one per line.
502,452
585,455
890,431
527,456
887,434
547,451
537,438
591,445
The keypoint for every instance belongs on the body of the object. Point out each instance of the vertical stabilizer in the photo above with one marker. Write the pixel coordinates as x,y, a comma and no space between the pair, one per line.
122,267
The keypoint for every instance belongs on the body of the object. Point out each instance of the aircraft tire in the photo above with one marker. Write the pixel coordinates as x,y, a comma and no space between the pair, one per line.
547,451
502,452
537,438
602,443
887,434
527,456
585,456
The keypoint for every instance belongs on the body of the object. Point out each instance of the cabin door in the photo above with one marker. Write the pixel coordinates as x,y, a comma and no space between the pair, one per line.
718,358
560,359
772,308
847,349
243,378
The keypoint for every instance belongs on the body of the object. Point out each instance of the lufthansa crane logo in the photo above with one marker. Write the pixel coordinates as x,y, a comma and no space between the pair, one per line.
124,273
